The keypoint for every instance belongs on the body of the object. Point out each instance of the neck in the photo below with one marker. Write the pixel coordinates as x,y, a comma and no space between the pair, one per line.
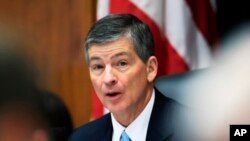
127,117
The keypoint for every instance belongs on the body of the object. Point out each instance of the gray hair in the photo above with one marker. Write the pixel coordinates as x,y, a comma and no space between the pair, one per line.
113,27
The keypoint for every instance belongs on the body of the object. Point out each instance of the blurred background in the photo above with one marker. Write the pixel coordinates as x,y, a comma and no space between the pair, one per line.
57,29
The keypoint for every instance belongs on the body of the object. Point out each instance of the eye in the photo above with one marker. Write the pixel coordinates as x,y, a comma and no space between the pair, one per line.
97,68
122,63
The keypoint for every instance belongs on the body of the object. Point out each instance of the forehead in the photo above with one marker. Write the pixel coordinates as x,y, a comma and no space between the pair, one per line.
120,45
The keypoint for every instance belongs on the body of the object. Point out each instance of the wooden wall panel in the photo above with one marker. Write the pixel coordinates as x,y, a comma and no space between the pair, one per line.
57,29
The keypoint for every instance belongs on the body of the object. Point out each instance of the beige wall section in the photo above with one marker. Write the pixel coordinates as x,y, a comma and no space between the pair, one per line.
57,28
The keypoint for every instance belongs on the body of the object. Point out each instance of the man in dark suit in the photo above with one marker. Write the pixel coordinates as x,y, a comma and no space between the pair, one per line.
119,51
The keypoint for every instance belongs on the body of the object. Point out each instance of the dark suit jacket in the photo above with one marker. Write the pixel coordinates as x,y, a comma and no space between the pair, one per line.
161,125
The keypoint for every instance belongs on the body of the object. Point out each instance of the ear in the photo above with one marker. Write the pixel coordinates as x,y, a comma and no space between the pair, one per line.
152,68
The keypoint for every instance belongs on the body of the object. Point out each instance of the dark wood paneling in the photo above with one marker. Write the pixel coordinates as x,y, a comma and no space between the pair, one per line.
57,29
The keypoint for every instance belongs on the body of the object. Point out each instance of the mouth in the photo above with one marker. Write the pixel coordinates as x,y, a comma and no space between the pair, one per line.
113,94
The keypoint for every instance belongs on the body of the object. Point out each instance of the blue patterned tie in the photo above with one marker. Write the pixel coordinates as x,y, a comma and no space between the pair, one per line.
125,137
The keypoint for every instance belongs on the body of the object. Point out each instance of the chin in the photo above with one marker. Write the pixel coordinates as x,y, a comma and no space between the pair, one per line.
116,109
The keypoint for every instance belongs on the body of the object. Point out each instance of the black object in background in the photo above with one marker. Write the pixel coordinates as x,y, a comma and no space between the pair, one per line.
232,15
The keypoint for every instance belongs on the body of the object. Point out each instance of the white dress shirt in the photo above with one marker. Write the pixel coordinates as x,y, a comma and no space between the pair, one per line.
137,130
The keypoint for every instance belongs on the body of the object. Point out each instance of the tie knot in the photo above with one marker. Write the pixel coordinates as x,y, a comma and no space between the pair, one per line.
125,137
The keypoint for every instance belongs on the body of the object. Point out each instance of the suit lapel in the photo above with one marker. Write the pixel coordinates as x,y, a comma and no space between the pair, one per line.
106,134
109,133
159,128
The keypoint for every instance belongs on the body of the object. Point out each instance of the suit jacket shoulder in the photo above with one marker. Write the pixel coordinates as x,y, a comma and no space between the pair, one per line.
165,118
98,130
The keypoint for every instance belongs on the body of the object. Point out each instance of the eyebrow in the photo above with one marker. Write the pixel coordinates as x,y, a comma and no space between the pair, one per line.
93,58
121,54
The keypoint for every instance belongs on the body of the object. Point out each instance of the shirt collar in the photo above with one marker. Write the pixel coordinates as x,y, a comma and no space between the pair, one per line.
137,130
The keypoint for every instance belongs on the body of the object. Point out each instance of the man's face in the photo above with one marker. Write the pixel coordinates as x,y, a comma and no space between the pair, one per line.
120,78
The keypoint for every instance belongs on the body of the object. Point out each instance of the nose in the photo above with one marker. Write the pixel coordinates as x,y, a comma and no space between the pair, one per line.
110,77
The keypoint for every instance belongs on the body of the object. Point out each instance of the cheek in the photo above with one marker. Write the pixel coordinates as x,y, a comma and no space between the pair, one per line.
96,83
94,79
136,81
97,88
